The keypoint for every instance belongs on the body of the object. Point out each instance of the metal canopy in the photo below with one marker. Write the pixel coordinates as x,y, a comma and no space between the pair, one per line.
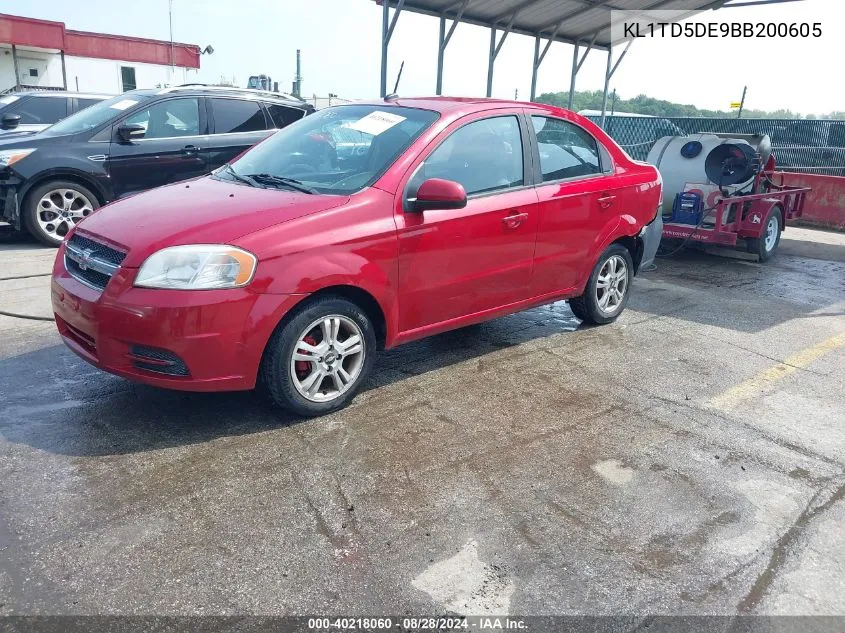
569,21
582,23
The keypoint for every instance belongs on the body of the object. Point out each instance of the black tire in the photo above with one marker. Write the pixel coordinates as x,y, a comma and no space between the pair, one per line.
276,374
31,210
586,307
758,246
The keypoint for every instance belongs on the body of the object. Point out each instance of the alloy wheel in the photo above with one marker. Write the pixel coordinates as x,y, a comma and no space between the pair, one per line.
59,210
611,285
327,358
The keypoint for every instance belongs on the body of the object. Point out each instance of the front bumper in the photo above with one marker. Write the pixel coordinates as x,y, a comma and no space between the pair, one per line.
10,203
190,340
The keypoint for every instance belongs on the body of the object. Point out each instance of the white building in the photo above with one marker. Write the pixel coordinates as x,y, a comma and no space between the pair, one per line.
44,54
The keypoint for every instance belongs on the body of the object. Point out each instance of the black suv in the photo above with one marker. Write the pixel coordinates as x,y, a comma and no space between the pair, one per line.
141,139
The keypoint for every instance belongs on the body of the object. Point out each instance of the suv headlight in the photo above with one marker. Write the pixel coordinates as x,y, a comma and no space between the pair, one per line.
197,267
10,156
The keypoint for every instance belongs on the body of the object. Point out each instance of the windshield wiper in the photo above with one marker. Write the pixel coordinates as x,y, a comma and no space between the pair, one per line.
270,179
244,179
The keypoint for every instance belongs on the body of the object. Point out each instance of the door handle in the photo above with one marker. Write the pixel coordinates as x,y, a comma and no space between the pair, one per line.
190,149
606,200
514,221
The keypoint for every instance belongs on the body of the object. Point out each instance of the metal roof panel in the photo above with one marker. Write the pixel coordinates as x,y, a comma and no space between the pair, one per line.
579,19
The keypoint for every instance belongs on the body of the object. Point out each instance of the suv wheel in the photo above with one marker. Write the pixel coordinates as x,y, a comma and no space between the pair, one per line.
608,288
318,358
51,210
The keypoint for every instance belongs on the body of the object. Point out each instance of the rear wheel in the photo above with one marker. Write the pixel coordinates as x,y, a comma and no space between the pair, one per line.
608,288
51,210
766,245
317,360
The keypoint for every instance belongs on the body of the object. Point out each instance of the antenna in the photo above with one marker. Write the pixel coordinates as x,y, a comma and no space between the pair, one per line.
398,77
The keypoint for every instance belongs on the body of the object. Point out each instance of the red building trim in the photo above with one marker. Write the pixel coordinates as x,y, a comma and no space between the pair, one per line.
22,31
130,49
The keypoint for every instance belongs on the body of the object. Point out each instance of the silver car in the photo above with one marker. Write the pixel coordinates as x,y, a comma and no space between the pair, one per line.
30,112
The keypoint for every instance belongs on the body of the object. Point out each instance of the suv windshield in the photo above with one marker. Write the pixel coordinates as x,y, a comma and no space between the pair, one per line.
92,117
337,150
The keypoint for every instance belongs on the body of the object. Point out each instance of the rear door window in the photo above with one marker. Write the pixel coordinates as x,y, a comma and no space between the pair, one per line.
566,150
237,115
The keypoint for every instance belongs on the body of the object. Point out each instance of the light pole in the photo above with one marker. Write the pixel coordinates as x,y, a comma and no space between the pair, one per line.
170,19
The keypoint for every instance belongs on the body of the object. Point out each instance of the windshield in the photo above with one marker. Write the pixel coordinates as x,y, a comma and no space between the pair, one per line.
338,150
92,117
7,100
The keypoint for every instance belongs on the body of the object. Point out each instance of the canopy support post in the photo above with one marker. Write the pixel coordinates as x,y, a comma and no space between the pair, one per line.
443,42
576,66
387,27
494,50
611,68
539,57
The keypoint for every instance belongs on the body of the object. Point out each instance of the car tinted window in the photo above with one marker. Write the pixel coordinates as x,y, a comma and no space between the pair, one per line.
566,150
283,115
167,119
233,115
40,110
81,103
483,156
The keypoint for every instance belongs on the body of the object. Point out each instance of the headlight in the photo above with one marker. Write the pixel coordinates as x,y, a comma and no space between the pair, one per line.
11,156
197,267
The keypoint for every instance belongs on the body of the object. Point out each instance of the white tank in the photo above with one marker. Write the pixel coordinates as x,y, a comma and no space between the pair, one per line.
680,161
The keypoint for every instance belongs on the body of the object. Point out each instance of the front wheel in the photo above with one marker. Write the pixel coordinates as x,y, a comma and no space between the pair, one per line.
51,210
608,288
317,360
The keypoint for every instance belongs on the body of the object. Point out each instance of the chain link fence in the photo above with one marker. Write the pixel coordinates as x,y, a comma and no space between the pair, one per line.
803,145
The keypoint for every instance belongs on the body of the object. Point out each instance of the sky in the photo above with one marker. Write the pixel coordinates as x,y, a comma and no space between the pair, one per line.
340,42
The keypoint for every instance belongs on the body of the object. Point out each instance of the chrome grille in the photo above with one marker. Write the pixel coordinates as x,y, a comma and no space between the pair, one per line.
91,262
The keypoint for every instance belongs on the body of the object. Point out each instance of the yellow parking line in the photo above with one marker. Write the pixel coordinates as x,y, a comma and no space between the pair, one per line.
762,380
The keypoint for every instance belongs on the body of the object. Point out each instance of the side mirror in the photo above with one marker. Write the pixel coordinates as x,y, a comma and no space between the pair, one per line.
437,193
131,131
10,121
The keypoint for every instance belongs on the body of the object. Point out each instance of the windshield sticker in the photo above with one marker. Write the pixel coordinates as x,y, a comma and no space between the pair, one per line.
122,105
375,122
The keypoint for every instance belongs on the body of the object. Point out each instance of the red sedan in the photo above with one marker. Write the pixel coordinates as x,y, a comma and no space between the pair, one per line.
357,228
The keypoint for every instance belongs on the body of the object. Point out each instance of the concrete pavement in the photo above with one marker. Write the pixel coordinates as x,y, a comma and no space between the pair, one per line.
688,459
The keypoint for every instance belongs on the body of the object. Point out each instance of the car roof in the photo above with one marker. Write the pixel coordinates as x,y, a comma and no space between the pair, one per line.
244,93
58,93
456,105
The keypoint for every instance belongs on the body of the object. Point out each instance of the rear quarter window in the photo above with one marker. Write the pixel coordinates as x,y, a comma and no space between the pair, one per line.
283,115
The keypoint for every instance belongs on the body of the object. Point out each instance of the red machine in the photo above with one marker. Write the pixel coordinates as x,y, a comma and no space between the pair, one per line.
740,203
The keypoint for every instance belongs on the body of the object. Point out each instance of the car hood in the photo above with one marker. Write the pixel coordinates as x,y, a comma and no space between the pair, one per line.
23,138
10,134
201,211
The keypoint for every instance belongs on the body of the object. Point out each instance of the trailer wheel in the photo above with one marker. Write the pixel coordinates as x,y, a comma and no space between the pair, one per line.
766,245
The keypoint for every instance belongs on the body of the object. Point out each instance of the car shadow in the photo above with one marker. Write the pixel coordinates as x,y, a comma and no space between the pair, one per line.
55,402
731,291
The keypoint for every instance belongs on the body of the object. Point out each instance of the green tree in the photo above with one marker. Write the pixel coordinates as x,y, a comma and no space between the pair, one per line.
643,104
